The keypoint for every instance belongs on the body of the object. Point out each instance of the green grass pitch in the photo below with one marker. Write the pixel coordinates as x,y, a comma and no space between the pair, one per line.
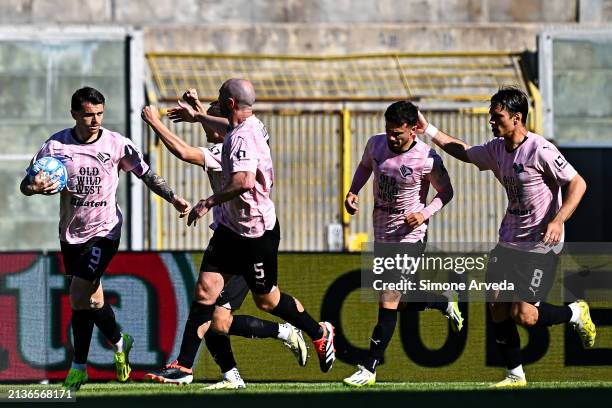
294,394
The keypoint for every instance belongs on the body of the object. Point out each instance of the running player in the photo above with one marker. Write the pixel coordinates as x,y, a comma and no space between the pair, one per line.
235,289
404,167
247,238
90,220
532,171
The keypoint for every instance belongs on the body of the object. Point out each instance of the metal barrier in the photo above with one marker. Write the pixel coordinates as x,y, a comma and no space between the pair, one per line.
437,76
315,155
320,111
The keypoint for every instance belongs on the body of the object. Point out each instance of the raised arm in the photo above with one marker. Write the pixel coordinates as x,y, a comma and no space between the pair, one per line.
175,144
191,97
185,113
453,146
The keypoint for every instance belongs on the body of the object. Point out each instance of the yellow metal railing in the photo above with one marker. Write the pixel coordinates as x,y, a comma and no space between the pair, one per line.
346,172
315,151
457,76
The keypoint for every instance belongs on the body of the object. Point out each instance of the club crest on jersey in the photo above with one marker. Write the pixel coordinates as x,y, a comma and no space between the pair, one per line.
518,168
103,157
405,171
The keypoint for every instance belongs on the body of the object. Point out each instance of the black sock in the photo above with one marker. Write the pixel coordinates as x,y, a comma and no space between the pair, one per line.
437,301
508,342
198,315
381,336
413,306
82,327
549,315
220,349
288,311
104,318
249,326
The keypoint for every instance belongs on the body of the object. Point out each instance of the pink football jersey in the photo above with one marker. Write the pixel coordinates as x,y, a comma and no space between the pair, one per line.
401,184
245,148
88,204
532,176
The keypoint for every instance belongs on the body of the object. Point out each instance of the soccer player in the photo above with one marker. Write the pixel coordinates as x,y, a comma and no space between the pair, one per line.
90,220
532,171
234,291
404,167
246,240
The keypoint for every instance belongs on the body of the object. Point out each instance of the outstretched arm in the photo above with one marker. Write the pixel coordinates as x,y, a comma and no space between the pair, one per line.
191,97
185,113
160,187
175,144
453,146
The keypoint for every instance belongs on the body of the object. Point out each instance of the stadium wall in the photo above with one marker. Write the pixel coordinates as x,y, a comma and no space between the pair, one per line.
320,27
151,293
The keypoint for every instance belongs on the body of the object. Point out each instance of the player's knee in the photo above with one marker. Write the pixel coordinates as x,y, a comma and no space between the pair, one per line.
203,294
81,301
222,320
265,304
221,326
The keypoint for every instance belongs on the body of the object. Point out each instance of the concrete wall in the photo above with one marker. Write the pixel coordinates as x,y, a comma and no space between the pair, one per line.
149,12
320,26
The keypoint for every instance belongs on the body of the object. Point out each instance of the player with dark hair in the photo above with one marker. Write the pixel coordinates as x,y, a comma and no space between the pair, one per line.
404,167
532,171
90,220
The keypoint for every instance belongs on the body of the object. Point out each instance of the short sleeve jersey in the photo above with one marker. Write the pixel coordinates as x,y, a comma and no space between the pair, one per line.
246,149
88,204
532,176
401,184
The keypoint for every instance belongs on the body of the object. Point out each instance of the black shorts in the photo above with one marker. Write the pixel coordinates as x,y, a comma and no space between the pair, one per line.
253,258
233,294
89,260
532,274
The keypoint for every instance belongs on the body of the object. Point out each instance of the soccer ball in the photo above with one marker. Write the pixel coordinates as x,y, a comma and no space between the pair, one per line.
52,168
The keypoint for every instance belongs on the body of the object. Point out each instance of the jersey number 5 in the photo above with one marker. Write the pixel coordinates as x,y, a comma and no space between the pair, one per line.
259,271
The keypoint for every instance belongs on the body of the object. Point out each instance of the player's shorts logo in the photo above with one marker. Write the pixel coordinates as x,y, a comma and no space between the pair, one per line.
405,171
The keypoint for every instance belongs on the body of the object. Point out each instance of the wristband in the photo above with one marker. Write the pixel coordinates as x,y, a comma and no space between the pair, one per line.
431,130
